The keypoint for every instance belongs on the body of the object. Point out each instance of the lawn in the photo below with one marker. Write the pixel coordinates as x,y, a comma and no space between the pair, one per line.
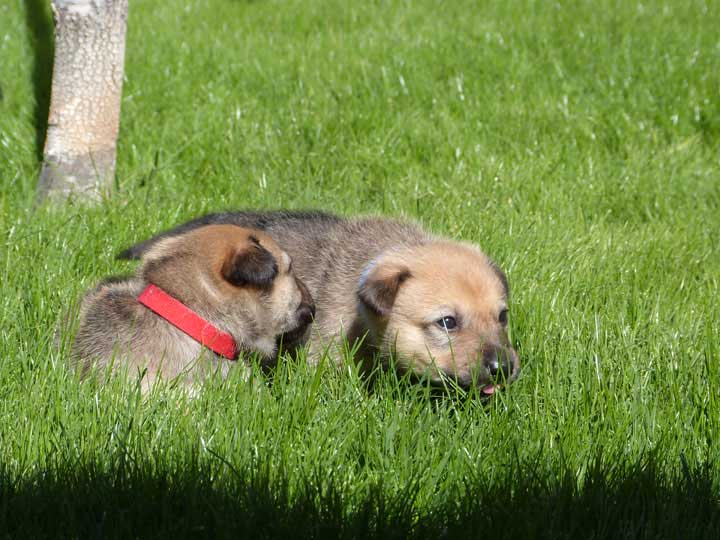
578,143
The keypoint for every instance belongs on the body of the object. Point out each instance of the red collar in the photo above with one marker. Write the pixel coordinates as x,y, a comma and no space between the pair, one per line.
184,318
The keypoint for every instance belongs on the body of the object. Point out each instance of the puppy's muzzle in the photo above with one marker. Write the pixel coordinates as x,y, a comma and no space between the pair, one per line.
500,363
495,366
306,310
302,318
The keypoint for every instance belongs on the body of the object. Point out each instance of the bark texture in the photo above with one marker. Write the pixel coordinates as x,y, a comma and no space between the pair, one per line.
80,146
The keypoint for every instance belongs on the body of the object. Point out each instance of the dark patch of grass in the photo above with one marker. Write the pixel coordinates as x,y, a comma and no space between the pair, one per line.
190,500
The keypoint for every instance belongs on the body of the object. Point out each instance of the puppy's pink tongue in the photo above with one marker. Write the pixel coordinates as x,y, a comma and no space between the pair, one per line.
489,389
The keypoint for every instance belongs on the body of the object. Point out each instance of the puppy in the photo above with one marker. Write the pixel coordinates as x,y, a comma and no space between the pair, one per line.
439,306
208,293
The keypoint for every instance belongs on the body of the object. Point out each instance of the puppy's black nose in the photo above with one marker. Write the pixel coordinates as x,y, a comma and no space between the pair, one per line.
306,314
498,363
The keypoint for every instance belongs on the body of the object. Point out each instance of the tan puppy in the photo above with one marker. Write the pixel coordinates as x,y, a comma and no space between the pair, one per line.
237,282
439,306
443,308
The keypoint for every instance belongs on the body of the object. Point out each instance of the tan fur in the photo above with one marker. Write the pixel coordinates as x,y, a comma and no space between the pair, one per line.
238,279
446,279
387,283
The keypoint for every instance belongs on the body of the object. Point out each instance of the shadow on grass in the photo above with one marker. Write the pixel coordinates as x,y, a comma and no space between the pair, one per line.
40,29
84,503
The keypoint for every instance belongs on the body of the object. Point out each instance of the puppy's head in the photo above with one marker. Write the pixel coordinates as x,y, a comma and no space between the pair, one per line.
239,279
442,309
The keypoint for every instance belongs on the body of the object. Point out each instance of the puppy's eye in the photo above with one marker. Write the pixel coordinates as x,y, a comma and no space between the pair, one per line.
503,317
447,323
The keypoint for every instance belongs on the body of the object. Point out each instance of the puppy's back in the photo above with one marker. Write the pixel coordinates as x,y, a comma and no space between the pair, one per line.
314,223
108,315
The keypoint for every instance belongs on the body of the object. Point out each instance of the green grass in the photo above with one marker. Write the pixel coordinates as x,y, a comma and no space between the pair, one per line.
578,143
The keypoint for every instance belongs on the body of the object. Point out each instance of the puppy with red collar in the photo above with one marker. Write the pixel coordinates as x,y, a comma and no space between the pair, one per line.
197,301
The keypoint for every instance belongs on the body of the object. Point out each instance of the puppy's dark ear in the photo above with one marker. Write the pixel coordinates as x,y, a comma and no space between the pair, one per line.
379,286
134,252
252,265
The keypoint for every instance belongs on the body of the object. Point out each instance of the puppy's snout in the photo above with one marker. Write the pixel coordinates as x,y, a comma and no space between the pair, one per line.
306,309
499,362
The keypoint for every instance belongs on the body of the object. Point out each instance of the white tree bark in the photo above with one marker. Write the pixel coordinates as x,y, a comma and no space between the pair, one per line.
80,146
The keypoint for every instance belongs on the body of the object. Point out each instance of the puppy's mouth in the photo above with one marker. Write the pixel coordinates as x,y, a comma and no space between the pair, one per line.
490,389
487,390
466,382
291,338
486,387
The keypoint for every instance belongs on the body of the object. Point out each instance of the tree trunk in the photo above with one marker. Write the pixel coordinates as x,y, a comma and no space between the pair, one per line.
79,157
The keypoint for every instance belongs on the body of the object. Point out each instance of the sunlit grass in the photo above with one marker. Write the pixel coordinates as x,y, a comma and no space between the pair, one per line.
576,143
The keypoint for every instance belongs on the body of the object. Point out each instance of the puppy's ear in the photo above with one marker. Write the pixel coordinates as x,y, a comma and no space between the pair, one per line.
250,265
379,285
